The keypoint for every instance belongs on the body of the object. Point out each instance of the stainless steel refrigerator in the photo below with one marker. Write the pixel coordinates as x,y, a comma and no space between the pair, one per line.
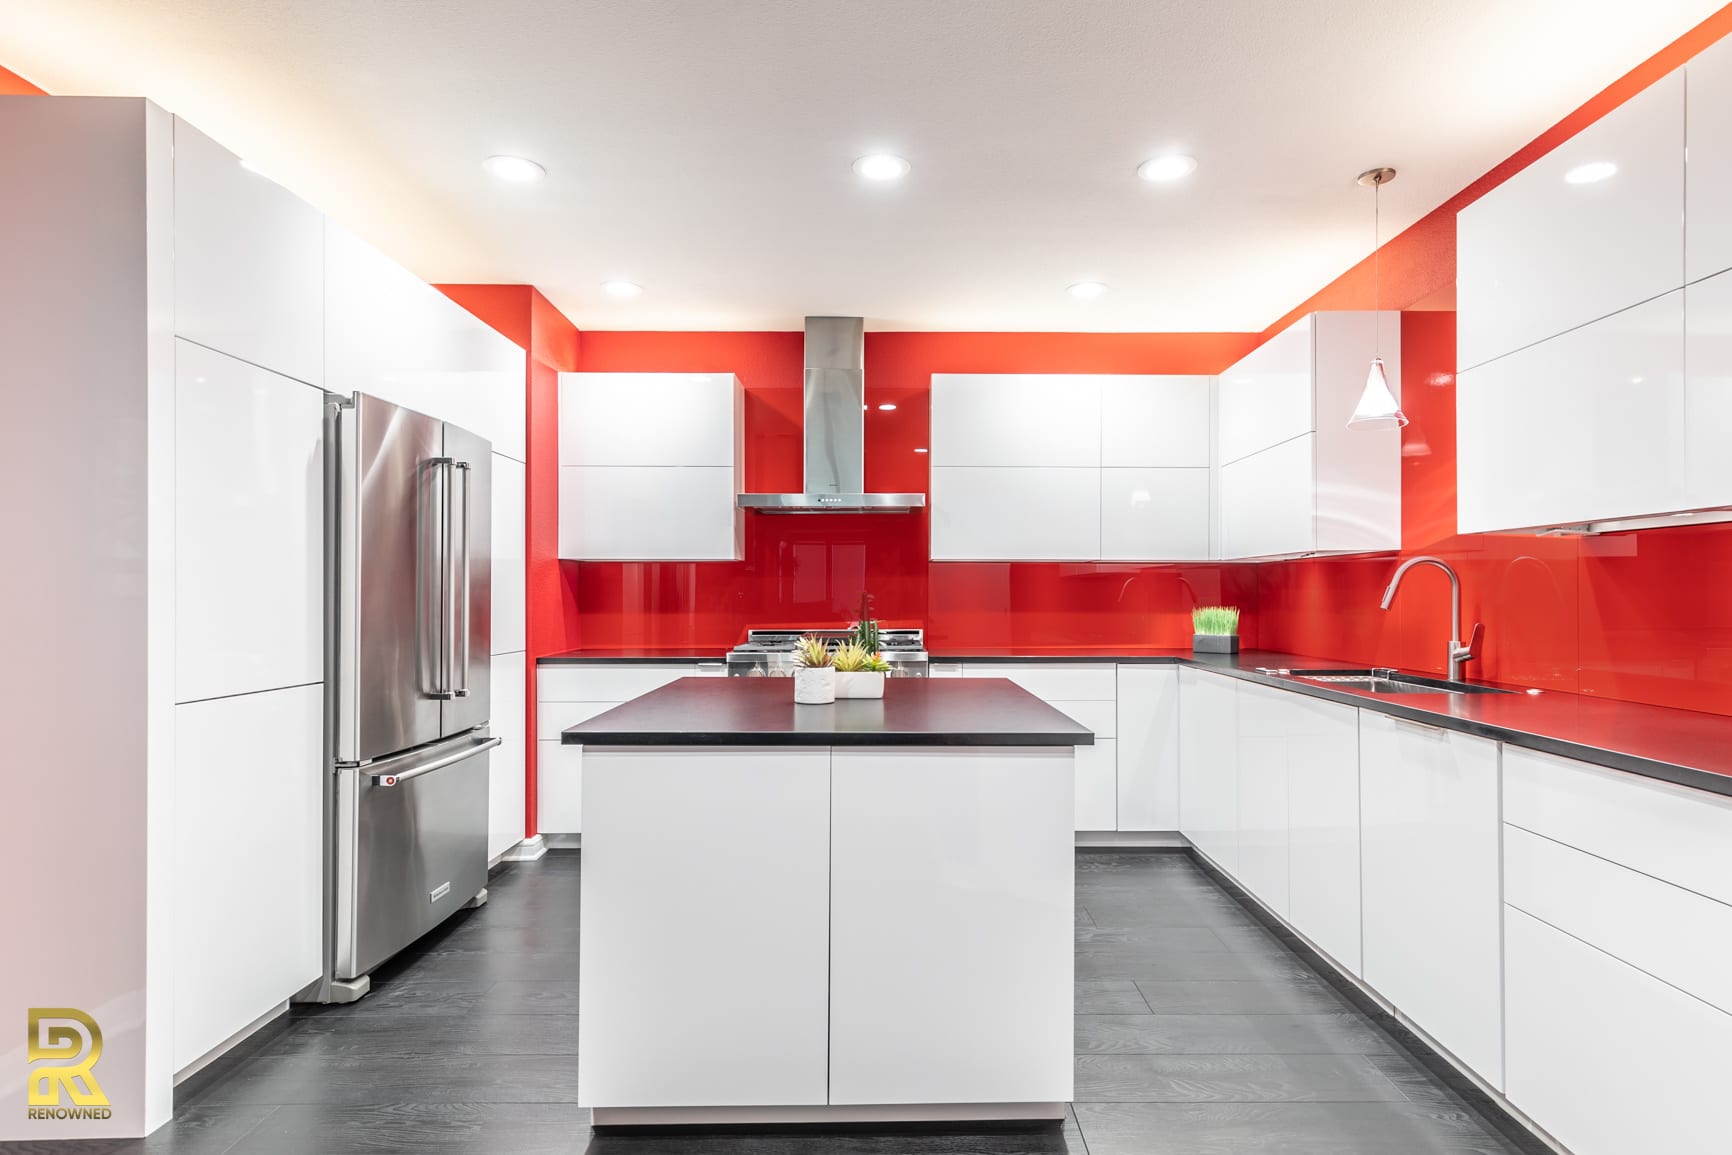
409,535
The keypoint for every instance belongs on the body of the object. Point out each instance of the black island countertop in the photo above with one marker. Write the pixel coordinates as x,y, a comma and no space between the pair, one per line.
762,712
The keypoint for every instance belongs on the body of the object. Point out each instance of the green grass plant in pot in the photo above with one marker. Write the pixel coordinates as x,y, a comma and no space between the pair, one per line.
814,673
1215,630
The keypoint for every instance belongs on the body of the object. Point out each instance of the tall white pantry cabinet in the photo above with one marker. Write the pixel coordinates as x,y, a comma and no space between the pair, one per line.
173,322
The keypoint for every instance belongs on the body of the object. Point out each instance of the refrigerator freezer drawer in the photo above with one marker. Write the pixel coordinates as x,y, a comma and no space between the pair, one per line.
411,847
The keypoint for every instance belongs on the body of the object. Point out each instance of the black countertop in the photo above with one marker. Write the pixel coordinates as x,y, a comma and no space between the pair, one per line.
762,712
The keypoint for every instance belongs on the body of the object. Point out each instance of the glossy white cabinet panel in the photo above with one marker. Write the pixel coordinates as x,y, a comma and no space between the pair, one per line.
249,264
1358,471
1154,514
1149,422
1097,785
1586,426
509,723
1015,514
605,681
1055,681
1014,419
1262,793
1430,840
1265,399
648,513
1208,765
553,718
1708,389
246,853
510,628
982,1010
650,419
1539,255
1673,833
1708,167
1148,747
1268,502
389,333
558,788
665,883
249,527
1676,935
1323,826
1607,1059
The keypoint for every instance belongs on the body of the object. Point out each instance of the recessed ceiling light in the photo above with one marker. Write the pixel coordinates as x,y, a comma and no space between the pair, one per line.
887,406
515,169
881,166
1086,290
621,288
1591,173
1174,166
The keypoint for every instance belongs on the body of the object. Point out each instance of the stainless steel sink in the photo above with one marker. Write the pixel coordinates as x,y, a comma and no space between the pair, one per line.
1384,681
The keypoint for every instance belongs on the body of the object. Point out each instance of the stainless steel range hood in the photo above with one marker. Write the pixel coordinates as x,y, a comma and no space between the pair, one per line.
835,480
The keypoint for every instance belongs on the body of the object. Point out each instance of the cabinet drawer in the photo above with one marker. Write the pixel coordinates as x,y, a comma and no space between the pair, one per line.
1607,1059
1673,934
615,682
1673,833
551,718
1067,682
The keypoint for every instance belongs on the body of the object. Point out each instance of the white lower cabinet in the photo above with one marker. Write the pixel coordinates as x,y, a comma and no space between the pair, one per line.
1323,826
247,929
1208,765
1148,747
1430,832
1607,1059
1261,764
505,765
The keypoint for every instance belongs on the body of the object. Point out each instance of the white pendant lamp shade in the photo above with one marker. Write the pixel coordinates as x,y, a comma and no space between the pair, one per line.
1377,408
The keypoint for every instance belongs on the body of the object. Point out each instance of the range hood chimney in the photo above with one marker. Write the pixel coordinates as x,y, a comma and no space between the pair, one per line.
835,479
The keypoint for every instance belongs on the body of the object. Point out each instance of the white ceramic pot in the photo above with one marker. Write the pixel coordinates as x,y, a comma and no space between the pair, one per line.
859,683
815,686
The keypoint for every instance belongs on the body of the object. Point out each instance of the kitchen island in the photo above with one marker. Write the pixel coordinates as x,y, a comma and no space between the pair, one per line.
857,912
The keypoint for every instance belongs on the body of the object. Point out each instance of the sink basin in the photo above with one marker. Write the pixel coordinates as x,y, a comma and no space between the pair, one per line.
1383,681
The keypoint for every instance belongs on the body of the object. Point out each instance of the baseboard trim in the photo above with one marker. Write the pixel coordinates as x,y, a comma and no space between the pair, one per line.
193,1077
528,850
828,1114
562,841
1131,840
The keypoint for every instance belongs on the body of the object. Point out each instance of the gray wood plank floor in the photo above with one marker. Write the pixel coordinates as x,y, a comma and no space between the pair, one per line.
1199,1031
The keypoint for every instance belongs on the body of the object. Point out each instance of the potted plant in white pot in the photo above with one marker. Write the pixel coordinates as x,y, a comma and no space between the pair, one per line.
859,672
815,672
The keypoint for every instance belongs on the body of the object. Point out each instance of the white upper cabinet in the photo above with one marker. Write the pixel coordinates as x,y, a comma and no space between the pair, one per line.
1293,478
389,333
1708,168
248,262
1708,390
1067,467
1551,249
649,466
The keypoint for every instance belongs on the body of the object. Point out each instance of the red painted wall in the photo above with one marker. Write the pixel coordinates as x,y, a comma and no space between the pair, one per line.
11,84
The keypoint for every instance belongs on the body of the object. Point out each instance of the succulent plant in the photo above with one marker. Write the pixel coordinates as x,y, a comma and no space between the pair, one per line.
812,652
875,665
866,634
852,657
1222,620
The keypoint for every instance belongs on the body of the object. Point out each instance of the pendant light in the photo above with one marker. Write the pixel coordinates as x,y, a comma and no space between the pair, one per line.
1377,408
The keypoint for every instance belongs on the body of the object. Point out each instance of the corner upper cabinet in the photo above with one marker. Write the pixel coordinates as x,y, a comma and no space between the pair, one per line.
1070,467
1293,479
1708,166
649,466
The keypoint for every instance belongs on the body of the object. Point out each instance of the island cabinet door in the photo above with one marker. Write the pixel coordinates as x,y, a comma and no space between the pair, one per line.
704,953
951,926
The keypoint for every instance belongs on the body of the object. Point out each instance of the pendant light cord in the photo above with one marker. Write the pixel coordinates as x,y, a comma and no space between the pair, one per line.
1377,270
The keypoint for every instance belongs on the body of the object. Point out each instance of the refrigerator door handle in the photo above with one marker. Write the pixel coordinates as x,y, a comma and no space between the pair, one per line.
460,559
383,775
439,612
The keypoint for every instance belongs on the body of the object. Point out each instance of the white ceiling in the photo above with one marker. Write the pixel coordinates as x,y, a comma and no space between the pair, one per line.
702,147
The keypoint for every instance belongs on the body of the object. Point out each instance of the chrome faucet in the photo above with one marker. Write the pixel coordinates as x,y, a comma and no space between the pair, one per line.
1458,652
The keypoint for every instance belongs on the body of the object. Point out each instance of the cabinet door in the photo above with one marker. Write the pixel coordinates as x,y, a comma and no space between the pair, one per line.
1015,514
648,418
1154,514
1268,502
1148,747
1430,838
1012,419
558,787
1155,422
509,723
1587,426
246,858
1708,169
1607,1059
1266,398
1540,255
639,513
1208,765
1323,825
249,527
249,266
1708,390
509,587
604,681
1262,792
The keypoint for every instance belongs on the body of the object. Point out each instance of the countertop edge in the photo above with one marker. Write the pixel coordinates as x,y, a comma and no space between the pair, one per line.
961,739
